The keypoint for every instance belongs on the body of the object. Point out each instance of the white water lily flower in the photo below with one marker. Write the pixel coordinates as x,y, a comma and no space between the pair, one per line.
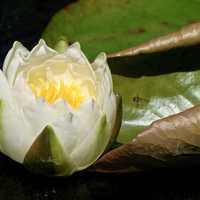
58,111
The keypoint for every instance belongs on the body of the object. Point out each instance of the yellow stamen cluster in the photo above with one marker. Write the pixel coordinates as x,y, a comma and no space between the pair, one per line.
52,91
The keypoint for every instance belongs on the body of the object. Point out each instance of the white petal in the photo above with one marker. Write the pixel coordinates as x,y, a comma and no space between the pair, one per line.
80,68
39,114
62,107
16,136
85,119
109,108
66,132
100,66
22,92
5,92
75,54
93,145
16,57
42,50
106,97
103,77
100,61
73,128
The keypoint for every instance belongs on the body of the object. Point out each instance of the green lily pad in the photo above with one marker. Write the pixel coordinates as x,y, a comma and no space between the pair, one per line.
109,25
153,85
148,99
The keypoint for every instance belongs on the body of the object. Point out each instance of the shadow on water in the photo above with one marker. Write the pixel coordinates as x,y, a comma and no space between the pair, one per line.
18,183
174,60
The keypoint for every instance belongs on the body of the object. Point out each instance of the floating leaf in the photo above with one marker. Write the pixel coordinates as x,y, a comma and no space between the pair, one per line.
170,142
144,71
160,78
156,79
110,26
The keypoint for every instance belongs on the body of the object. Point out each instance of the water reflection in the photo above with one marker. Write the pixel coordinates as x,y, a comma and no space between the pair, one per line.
17,183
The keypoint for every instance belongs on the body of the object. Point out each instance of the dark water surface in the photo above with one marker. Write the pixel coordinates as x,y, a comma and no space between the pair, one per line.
24,20
17,183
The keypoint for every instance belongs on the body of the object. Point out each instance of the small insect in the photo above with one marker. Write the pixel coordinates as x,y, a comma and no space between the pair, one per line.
138,100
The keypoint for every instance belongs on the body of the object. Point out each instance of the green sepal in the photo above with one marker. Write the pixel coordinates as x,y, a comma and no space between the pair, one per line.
117,122
61,45
47,157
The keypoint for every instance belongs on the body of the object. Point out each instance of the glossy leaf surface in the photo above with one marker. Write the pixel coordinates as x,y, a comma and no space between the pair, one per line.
170,142
143,79
110,26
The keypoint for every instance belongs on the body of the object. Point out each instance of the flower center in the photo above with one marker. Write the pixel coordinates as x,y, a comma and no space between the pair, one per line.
51,91
55,78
